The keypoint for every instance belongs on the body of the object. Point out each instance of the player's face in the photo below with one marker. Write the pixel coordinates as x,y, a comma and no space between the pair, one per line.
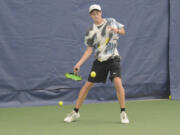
96,16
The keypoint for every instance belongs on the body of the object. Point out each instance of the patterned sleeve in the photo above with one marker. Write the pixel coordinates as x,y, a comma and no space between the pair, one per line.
119,25
89,38
114,22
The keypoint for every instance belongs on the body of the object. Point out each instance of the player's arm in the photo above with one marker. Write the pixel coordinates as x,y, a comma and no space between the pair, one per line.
120,31
85,56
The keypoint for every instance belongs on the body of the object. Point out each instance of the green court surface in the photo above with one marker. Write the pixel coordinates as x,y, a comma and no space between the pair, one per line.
157,117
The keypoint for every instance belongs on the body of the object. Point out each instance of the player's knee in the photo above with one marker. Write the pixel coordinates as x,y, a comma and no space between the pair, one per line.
89,84
116,79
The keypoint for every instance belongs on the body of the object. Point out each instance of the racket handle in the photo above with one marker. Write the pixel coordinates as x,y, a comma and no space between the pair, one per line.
76,73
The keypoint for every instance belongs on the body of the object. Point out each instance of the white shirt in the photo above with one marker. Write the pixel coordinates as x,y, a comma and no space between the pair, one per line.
103,40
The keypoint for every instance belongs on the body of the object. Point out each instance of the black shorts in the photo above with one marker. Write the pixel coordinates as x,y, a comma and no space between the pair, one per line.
103,68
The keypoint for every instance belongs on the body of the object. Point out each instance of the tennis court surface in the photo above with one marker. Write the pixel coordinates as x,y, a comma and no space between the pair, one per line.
155,117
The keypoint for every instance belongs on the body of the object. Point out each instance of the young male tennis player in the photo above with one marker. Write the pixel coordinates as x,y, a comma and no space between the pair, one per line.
101,37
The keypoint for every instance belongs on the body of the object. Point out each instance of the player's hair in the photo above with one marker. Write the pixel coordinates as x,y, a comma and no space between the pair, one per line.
95,10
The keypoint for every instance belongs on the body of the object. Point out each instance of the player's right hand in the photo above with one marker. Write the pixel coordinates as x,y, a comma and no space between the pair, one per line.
76,68
115,30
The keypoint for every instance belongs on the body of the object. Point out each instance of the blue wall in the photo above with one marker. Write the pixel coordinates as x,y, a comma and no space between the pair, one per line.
174,49
41,40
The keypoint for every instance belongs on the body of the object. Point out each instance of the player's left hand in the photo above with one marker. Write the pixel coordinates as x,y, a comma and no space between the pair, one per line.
115,30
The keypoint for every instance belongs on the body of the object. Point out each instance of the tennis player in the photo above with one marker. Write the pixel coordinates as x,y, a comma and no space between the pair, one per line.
102,38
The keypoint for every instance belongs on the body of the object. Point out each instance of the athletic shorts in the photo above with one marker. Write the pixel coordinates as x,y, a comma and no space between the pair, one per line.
103,68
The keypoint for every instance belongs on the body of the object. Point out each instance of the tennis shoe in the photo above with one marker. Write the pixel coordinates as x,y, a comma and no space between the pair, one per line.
124,118
72,117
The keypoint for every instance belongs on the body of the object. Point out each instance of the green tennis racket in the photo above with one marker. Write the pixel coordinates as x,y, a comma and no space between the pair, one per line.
73,76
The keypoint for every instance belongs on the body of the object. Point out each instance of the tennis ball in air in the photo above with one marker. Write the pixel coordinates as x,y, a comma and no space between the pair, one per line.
169,97
60,103
93,74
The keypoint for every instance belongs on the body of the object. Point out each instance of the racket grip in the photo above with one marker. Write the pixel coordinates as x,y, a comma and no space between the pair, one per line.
76,73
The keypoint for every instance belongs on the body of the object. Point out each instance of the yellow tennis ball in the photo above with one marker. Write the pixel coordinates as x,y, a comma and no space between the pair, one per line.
60,103
93,74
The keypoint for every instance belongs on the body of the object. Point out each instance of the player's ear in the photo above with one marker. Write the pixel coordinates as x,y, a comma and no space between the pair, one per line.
91,16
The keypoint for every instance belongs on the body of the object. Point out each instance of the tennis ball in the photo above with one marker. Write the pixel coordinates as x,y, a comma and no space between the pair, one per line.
93,74
60,103
169,97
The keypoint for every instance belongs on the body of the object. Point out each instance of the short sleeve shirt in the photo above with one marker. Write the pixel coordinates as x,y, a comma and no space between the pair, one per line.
103,40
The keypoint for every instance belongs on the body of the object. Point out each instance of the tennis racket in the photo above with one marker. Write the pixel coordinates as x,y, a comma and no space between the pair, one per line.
73,76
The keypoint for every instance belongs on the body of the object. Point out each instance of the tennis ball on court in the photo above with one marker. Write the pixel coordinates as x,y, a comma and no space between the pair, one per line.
60,103
93,74
169,97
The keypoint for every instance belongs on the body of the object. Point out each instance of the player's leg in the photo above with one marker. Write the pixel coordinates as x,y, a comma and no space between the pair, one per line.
74,115
83,93
115,76
119,91
121,98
